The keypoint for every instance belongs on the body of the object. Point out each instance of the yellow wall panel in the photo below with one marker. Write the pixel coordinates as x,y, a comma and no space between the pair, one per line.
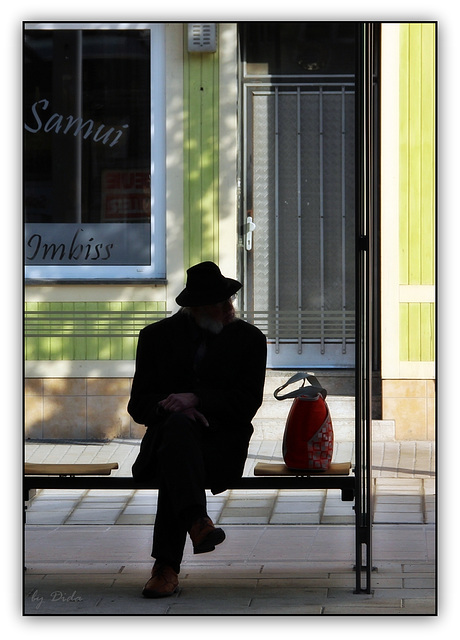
417,153
201,157
417,185
416,332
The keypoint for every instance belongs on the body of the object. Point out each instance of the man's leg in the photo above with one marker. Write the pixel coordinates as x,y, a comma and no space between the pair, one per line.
169,533
181,502
181,499
181,470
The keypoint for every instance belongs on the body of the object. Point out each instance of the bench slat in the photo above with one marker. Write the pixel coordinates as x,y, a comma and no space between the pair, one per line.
270,469
91,469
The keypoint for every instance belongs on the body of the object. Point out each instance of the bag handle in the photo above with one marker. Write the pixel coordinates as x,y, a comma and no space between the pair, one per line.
311,392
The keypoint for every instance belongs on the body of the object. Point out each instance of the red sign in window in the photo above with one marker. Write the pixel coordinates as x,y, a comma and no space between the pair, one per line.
125,195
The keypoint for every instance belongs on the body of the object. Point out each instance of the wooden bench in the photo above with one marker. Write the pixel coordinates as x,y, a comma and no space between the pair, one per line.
266,476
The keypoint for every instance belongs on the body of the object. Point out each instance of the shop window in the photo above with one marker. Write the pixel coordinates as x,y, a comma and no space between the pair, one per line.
94,151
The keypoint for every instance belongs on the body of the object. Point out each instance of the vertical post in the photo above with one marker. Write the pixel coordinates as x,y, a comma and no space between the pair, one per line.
277,252
364,263
321,215
343,206
299,226
246,199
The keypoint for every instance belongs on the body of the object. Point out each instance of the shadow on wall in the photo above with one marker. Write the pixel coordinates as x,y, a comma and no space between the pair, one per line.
96,408
79,409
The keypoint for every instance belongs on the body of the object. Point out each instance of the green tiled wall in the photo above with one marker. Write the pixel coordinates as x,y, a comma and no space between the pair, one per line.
86,330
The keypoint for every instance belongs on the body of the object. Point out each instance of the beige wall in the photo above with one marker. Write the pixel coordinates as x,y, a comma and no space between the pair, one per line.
79,408
411,404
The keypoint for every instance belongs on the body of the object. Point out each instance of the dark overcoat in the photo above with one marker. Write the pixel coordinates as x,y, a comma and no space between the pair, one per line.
228,381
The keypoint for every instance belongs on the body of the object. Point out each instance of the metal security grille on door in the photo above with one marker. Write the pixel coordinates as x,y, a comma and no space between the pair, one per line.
300,194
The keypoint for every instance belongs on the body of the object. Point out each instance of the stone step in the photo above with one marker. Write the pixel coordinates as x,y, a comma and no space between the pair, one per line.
344,429
270,420
335,381
342,407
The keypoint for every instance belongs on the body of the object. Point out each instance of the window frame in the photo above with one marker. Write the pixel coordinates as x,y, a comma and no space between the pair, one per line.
156,270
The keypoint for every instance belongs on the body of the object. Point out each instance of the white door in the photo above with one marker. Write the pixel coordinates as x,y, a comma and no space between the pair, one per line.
300,266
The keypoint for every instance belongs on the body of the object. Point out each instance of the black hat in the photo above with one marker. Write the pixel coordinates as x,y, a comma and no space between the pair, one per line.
206,285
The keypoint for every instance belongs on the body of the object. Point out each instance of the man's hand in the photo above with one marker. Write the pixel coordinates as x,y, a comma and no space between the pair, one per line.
179,402
196,415
184,403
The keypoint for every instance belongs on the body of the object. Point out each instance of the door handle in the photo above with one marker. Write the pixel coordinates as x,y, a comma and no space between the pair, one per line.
248,229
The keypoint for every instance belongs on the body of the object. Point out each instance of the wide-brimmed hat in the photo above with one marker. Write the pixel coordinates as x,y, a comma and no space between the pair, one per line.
206,285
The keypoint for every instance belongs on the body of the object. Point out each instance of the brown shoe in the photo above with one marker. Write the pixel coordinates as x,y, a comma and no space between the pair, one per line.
205,536
164,582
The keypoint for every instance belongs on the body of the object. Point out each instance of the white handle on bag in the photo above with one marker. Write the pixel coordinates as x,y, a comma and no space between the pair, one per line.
311,391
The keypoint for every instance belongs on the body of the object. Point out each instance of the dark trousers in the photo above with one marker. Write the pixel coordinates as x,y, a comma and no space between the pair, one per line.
184,456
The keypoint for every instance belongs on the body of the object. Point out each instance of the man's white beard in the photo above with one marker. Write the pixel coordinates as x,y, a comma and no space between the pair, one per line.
209,324
206,322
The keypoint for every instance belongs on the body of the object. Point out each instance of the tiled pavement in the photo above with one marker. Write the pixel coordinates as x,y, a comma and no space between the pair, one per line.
258,570
84,556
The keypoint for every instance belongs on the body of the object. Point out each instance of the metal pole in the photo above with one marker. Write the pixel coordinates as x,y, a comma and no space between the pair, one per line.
299,227
321,213
277,293
364,263
343,189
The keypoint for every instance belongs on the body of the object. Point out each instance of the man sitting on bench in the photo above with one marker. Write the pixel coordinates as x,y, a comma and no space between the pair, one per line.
198,383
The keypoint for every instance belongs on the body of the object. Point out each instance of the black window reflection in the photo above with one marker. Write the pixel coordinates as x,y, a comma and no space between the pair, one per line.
86,126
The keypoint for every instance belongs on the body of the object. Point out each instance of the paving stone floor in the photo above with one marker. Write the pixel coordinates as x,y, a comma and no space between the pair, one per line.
258,570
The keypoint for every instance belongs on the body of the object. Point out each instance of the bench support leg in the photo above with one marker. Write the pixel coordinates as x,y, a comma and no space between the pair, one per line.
363,559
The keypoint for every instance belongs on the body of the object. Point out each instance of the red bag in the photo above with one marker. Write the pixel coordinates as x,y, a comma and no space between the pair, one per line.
308,441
